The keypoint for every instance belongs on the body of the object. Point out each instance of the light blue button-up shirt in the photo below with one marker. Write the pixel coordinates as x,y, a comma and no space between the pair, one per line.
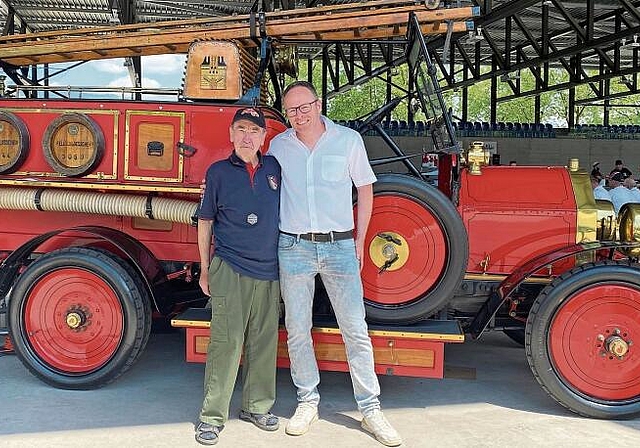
316,192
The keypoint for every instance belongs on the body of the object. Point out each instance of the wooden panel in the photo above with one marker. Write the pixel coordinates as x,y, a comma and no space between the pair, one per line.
213,71
405,357
152,137
151,146
202,343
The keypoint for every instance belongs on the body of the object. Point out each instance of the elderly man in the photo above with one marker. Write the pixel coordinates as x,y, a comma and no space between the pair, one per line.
240,209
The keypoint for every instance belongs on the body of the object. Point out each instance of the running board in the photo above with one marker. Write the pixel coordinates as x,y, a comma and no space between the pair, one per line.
409,350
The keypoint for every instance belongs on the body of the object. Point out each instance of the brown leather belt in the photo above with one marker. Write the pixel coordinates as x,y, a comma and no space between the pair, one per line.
323,237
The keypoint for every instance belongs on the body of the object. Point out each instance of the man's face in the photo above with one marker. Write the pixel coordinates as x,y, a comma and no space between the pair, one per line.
302,109
246,136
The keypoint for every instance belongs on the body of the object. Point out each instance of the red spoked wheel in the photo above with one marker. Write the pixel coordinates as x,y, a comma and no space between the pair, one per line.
79,317
580,340
416,251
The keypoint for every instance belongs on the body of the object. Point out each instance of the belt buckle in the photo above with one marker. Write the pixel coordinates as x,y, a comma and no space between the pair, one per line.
313,237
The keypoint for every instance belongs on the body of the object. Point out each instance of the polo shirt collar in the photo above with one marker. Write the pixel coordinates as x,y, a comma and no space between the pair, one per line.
237,161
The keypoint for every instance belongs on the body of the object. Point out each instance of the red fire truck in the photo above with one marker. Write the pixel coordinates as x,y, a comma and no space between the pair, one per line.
99,201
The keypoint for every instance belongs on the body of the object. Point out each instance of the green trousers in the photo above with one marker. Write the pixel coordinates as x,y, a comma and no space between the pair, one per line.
244,314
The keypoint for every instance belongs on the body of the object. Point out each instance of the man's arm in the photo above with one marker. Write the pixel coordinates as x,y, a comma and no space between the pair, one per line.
365,207
205,232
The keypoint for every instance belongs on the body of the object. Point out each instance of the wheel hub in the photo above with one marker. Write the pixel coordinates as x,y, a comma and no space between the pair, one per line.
617,346
614,344
389,251
77,318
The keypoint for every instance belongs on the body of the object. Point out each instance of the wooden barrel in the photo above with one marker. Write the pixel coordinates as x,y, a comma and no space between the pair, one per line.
73,144
14,142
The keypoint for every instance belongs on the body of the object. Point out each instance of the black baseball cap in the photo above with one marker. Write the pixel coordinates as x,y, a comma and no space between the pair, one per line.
618,162
251,114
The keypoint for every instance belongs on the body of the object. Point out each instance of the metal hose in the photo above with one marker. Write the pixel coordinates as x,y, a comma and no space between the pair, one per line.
164,209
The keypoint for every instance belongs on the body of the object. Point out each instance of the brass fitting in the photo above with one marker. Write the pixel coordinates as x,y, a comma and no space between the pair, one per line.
477,157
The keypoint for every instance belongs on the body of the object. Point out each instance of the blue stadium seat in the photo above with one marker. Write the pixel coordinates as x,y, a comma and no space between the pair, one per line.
486,129
393,129
477,128
403,128
549,130
535,130
411,128
509,131
517,130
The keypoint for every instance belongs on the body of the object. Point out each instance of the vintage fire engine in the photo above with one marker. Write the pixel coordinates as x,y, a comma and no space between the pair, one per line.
99,201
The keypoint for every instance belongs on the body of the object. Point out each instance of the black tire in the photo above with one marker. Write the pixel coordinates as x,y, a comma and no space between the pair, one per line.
556,303
425,303
516,336
119,278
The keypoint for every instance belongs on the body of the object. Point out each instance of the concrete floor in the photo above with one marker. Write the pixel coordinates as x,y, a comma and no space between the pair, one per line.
155,404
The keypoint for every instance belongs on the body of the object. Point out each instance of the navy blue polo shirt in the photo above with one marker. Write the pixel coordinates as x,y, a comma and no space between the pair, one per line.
244,211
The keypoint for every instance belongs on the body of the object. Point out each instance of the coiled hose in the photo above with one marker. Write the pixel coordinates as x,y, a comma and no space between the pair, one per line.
164,209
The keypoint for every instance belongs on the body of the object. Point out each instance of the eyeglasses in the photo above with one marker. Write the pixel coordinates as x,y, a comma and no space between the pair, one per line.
303,108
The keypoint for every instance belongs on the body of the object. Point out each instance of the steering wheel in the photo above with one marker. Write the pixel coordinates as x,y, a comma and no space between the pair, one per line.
377,114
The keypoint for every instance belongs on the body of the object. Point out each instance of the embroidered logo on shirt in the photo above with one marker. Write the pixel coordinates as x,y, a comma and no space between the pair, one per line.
273,181
252,219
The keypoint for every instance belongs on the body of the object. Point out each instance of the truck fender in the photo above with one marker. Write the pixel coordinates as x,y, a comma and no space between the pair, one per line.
144,262
529,268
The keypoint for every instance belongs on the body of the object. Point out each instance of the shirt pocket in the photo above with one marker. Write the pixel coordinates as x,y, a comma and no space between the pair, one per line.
334,168
219,320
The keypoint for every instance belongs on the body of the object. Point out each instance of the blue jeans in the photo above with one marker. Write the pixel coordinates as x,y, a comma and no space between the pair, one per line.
336,262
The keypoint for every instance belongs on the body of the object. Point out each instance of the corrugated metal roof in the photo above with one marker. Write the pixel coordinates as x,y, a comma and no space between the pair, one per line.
49,15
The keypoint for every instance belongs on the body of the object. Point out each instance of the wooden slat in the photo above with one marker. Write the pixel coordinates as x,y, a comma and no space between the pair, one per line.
371,20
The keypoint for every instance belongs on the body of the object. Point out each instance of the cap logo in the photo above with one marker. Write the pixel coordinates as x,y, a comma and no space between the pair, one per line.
250,111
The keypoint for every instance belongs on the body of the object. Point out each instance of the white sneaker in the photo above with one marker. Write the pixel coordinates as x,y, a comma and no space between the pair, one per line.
379,426
302,419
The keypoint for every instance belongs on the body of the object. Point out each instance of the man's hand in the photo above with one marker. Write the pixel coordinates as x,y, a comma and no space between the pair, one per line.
204,281
365,208
360,252
205,232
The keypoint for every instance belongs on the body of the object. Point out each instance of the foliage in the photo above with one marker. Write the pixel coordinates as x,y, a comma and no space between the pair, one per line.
359,100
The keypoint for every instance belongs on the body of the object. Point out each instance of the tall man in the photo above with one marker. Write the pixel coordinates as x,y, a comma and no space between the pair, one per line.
240,207
320,161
